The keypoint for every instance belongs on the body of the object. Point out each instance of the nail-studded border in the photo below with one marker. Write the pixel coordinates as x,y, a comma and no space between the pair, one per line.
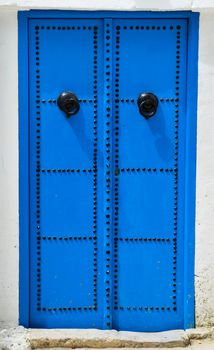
176,155
116,159
172,171
37,166
39,171
107,171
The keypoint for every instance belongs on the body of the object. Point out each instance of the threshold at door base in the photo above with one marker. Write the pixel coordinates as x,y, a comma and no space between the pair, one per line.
94,338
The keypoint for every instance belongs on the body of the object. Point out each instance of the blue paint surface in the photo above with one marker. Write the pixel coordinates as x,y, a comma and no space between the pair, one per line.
107,187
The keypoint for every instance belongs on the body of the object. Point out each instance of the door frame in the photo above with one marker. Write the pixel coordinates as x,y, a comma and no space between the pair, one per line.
24,156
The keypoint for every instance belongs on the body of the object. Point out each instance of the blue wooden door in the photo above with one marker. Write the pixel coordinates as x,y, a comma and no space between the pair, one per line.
107,184
149,56
66,175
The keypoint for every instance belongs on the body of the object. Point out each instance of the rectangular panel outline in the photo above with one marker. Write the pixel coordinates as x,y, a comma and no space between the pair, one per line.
176,178
37,29
156,240
70,240
190,164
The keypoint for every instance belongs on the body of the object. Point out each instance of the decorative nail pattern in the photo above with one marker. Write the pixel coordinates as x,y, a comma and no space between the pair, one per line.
66,171
107,170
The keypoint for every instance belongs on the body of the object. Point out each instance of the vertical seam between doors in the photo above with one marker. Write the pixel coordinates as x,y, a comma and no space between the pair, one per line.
108,170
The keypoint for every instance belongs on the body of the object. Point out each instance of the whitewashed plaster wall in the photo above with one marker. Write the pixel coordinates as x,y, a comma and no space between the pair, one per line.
204,277
9,257
159,5
9,232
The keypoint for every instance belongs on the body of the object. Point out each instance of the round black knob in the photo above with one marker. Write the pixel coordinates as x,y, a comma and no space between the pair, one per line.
68,103
147,104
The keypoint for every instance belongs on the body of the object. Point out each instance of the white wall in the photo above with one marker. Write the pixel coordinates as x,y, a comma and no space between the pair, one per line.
8,169
9,165
205,176
195,5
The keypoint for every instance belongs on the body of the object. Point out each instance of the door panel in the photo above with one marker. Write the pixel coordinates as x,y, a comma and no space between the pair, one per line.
107,184
148,257
148,44
146,143
67,56
65,195
143,207
66,178
71,264
72,147
149,56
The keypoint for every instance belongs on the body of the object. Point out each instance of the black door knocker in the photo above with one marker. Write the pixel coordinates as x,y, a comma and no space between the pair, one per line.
68,103
147,104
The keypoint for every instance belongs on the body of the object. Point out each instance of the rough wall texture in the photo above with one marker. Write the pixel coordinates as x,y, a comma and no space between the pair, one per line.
9,166
194,5
205,179
8,170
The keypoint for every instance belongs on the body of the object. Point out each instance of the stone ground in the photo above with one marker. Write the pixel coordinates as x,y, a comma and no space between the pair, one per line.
196,345
22,339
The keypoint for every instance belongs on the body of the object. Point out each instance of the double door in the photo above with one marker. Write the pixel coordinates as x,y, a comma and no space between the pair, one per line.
107,148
